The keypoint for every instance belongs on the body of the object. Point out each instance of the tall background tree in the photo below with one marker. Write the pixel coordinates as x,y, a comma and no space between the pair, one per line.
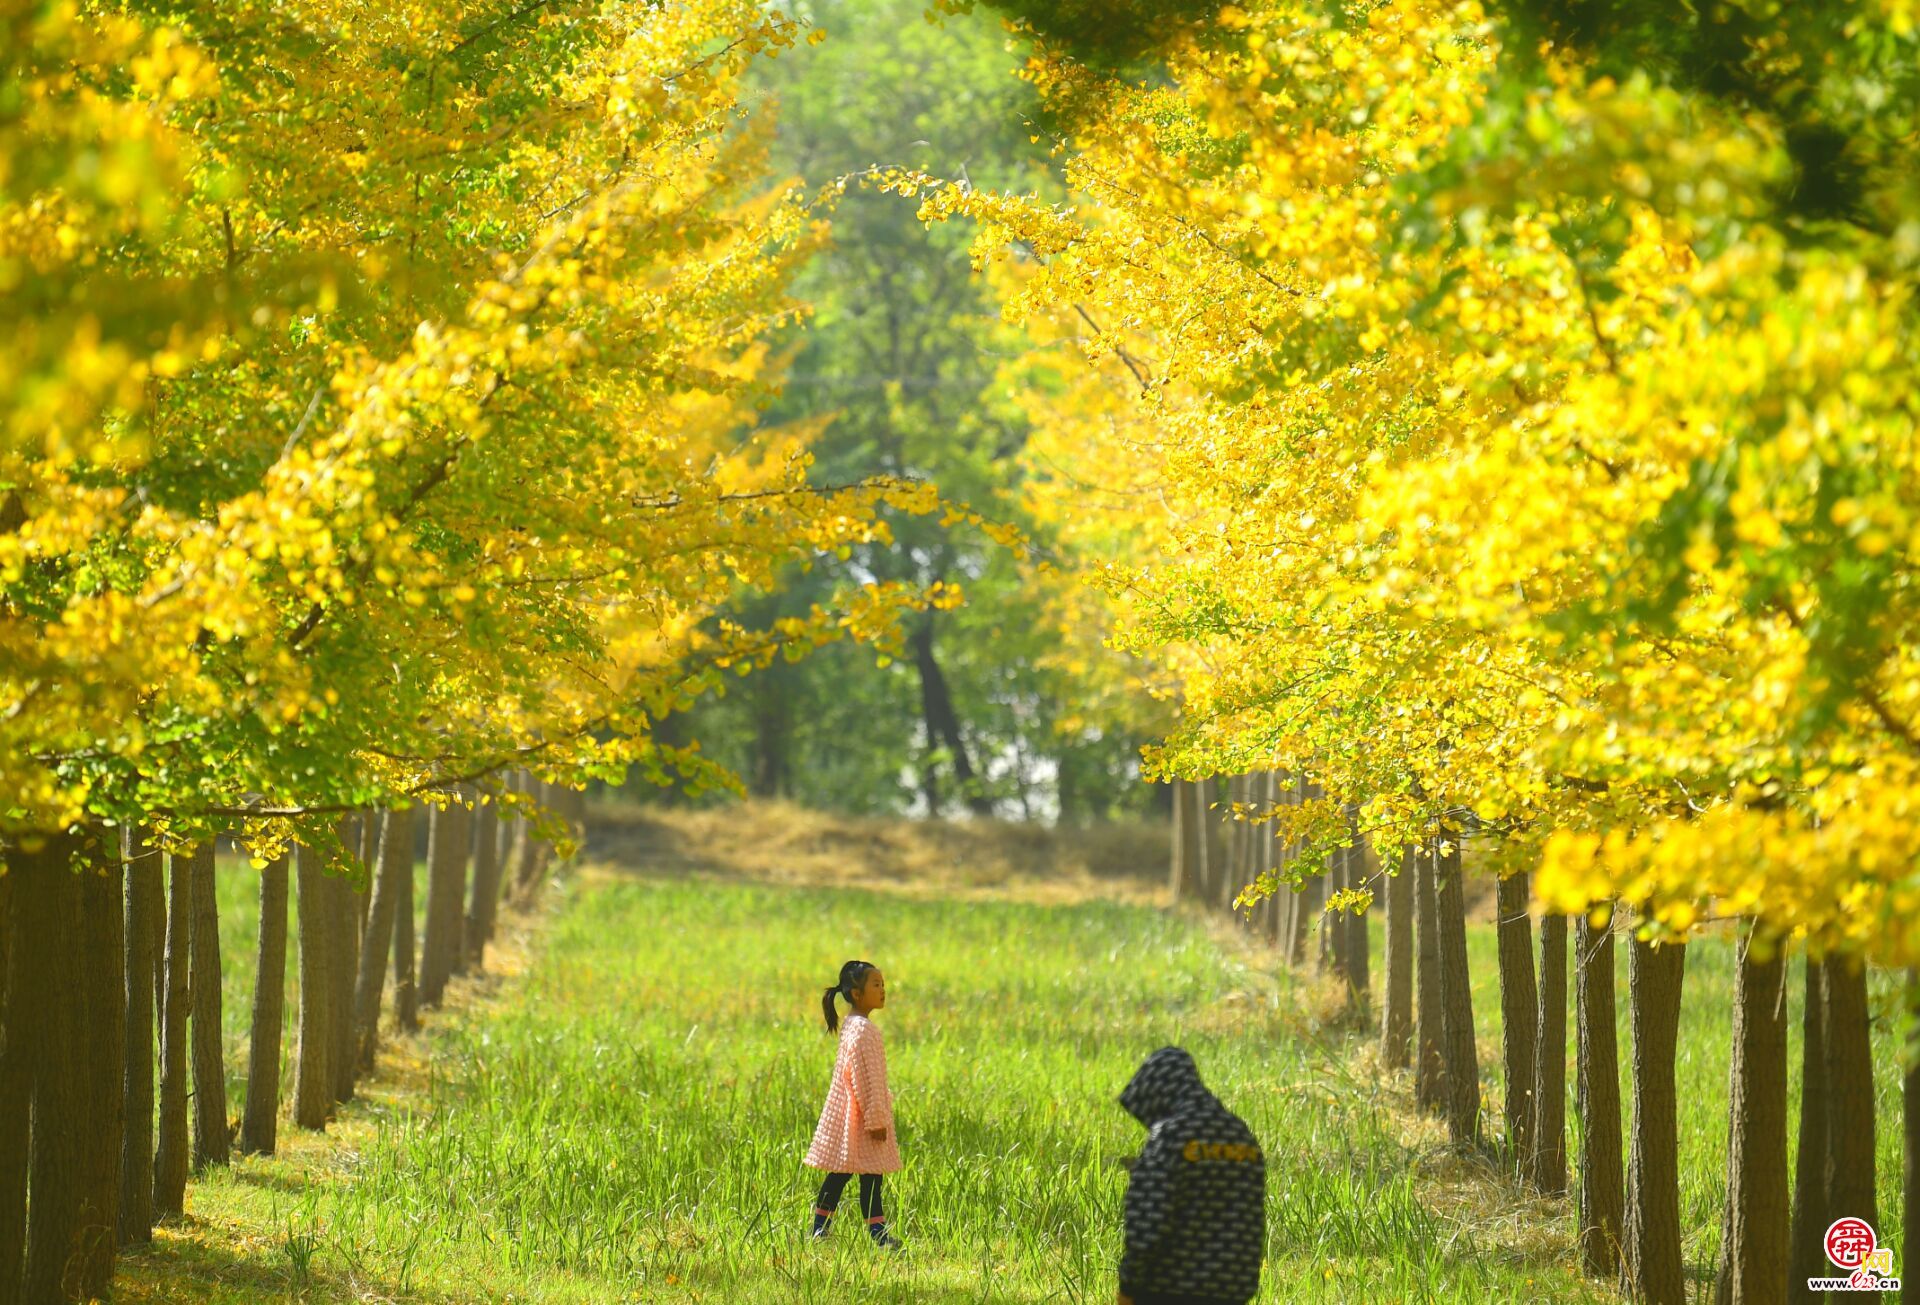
901,364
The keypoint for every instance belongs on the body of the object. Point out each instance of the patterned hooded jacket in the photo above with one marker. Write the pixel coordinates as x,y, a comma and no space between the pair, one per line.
1196,1207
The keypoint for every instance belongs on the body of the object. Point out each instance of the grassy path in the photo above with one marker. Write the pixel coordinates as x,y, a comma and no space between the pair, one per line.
624,1120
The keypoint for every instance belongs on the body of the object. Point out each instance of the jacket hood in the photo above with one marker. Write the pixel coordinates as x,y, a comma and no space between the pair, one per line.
1166,1082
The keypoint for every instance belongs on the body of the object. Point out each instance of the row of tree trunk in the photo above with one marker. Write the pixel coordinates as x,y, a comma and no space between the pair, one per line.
110,996
1628,1214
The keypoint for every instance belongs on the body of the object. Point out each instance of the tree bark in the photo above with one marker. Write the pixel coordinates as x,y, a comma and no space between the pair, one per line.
519,843
1654,1272
396,863
1267,860
1340,963
446,892
406,998
1456,999
486,886
1809,1220
1519,1013
1313,906
210,1137
313,1049
104,1032
1205,863
1181,868
1598,1091
1430,1060
260,1124
16,1083
47,895
1396,1011
170,1150
943,723
1547,1167
345,938
143,889
1754,1226
1240,869
1910,1143
1359,944
158,922
1850,1123
73,912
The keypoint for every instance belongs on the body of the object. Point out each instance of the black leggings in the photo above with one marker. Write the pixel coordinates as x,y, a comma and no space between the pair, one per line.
830,1190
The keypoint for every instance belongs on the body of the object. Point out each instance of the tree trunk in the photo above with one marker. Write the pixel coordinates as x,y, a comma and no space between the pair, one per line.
396,863
539,857
1850,1124
1654,1271
345,937
1430,1060
1205,863
1519,1012
1293,922
47,895
170,1150
1598,1093
1396,1011
1359,945
486,886
143,889
943,723
1313,906
1220,891
1240,863
73,914
1910,1145
103,965
1181,864
1339,963
313,1048
210,1137
1753,1230
406,998
260,1124
1809,1220
519,843
446,893
1547,1167
1456,999
16,1083
158,922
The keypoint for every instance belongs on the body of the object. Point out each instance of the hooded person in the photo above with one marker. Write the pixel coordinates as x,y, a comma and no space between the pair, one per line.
1196,1209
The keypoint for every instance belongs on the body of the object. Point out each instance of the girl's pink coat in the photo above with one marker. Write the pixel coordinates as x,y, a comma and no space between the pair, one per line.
857,1101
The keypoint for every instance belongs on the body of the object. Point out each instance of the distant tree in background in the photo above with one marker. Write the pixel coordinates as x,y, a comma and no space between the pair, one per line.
902,359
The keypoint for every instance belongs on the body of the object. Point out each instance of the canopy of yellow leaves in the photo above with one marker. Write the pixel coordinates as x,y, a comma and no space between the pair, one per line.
1482,435
377,408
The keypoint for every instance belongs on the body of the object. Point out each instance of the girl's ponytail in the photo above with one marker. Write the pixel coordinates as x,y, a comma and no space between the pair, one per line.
852,975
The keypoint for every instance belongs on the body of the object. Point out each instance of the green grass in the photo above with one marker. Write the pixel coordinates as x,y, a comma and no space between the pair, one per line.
626,1121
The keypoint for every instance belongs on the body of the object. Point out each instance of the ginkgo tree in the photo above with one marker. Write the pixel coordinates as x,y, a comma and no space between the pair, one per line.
379,415
1527,405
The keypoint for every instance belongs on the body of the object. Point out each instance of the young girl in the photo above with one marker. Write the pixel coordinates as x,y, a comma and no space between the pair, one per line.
856,1127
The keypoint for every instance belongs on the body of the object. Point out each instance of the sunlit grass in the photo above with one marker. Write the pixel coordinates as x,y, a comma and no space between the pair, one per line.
627,1120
